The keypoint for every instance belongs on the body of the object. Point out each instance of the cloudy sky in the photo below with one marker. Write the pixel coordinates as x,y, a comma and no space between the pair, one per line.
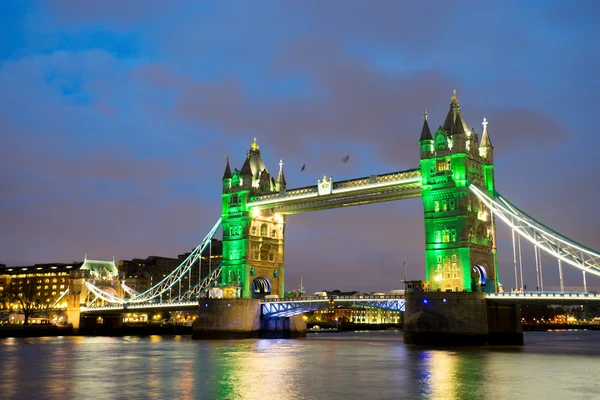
116,118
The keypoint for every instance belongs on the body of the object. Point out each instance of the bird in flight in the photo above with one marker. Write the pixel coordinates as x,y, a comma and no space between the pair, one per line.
346,158
303,166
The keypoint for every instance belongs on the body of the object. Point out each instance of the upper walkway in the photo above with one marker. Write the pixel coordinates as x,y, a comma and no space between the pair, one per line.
329,194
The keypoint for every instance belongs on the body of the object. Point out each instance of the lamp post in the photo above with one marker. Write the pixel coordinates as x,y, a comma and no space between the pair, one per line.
405,274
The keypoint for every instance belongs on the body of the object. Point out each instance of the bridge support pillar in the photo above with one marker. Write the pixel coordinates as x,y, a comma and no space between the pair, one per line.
241,319
455,318
74,316
227,319
283,327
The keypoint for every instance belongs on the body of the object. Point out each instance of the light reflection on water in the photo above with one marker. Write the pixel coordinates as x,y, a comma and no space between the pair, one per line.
325,366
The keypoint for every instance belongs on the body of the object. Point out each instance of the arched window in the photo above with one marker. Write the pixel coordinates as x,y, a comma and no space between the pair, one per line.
263,230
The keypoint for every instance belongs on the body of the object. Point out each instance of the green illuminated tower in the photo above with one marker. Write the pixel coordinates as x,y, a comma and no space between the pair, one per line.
460,245
252,238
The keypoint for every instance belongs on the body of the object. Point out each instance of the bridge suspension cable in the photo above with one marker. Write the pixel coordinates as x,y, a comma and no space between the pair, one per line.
167,283
128,290
542,237
201,286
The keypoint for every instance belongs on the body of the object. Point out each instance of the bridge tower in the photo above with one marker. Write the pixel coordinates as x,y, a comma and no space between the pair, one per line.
460,233
252,239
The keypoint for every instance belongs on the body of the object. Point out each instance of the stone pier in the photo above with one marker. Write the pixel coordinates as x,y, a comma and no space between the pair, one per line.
241,319
455,318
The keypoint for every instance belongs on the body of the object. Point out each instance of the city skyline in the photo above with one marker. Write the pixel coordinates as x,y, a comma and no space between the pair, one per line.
117,119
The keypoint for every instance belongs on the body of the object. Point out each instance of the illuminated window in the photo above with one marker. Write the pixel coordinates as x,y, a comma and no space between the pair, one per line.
263,230
441,143
446,236
437,206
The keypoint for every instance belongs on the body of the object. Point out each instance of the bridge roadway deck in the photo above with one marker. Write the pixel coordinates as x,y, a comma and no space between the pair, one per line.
287,307
308,303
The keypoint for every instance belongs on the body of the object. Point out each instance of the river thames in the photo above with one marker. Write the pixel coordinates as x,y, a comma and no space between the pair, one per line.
359,365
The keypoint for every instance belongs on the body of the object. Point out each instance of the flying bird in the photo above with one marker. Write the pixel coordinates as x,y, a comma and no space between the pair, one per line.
303,166
346,158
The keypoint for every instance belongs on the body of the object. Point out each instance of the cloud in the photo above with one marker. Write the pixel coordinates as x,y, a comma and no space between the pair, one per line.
121,12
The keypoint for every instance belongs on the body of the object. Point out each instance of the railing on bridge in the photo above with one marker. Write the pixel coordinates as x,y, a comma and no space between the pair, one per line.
549,296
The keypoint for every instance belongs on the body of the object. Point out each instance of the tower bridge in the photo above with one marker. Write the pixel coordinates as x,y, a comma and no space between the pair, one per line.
461,206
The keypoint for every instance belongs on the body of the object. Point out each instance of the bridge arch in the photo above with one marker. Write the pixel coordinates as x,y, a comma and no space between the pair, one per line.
480,275
261,287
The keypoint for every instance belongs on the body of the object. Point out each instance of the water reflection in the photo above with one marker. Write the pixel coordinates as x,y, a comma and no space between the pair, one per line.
349,366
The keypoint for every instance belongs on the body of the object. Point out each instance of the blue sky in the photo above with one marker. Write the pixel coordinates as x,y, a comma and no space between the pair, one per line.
116,118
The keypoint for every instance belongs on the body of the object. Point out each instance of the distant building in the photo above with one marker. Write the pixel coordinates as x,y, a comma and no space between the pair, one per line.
355,314
141,274
43,283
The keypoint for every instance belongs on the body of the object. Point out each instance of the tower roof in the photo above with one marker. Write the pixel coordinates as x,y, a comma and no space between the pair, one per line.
450,121
485,137
425,132
227,173
281,177
254,164
100,268
459,126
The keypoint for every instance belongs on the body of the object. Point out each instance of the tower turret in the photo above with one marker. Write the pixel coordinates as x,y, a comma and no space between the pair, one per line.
227,176
426,140
472,144
280,178
486,150
459,136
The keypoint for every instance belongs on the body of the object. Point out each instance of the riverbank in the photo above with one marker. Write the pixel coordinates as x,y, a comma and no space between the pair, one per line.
553,327
35,330
22,331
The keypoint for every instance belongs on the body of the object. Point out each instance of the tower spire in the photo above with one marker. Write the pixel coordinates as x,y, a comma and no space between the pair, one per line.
485,137
227,173
254,146
453,98
425,132
281,178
